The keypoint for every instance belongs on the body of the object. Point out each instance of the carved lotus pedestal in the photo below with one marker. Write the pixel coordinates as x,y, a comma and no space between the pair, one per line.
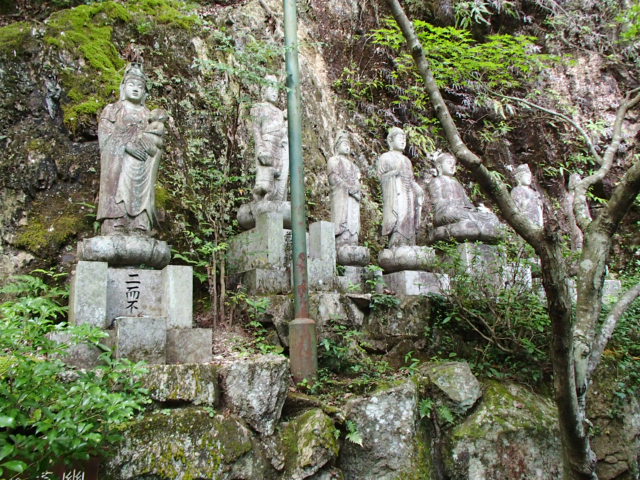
353,259
406,270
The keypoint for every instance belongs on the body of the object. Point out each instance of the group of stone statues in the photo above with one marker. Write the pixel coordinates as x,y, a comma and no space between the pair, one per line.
131,140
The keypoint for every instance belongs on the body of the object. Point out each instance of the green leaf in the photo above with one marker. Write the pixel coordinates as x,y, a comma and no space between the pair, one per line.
7,422
15,466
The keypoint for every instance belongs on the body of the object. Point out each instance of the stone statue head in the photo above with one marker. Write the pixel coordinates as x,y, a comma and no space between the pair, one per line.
446,164
396,139
523,175
270,90
134,84
342,145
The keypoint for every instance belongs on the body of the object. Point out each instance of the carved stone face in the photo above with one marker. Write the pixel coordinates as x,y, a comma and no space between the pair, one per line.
271,94
344,148
398,142
448,165
523,177
134,90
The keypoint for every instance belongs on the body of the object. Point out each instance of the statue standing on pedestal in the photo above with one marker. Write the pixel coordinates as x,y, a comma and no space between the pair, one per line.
455,217
526,198
344,178
272,146
402,197
131,141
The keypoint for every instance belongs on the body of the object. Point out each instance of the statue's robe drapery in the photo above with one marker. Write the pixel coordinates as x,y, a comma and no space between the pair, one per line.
402,198
344,178
129,161
452,205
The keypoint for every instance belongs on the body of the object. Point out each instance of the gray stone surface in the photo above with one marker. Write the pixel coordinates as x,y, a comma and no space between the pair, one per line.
177,291
255,389
455,382
88,297
513,433
261,247
346,194
407,257
189,383
352,280
263,281
80,355
189,345
352,255
611,291
411,282
141,338
321,260
125,251
133,292
249,212
386,421
402,197
455,217
188,443
311,443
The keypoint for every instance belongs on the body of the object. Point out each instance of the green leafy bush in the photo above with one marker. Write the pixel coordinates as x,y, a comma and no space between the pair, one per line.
48,411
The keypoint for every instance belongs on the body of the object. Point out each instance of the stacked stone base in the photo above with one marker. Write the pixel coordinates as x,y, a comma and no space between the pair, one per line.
147,314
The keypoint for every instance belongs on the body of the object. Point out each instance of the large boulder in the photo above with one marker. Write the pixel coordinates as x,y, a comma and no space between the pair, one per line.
310,442
452,383
387,424
185,444
512,434
186,383
256,388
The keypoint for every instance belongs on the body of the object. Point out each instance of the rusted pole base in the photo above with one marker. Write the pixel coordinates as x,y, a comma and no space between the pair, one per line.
303,349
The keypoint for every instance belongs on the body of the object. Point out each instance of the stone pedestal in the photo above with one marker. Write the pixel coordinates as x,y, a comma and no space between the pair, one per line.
260,259
414,282
407,257
125,250
147,312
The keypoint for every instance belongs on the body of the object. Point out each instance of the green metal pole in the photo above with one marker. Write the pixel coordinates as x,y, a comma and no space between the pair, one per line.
302,329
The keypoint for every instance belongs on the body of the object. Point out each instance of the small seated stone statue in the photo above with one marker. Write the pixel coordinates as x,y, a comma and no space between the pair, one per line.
526,198
455,217
402,197
131,140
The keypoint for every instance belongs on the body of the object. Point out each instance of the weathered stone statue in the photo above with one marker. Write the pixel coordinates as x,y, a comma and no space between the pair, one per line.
344,178
131,140
402,197
455,217
272,146
525,197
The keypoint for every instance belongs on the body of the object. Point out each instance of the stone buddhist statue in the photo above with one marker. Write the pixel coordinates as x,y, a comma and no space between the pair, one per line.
526,198
402,197
455,217
131,139
271,146
344,179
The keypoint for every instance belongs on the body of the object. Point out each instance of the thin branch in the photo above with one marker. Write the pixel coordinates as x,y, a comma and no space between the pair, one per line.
608,326
562,116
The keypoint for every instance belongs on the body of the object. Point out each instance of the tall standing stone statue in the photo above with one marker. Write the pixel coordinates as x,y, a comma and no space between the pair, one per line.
526,198
272,146
131,139
269,125
455,217
402,197
344,179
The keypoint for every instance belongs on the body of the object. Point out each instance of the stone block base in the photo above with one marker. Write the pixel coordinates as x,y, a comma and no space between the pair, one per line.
141,339
189,345
413,282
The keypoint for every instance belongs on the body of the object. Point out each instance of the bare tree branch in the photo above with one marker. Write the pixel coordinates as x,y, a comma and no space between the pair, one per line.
608,326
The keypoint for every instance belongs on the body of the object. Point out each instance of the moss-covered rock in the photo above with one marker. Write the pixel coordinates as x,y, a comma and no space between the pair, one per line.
187,444
186,383
512,434
310,441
